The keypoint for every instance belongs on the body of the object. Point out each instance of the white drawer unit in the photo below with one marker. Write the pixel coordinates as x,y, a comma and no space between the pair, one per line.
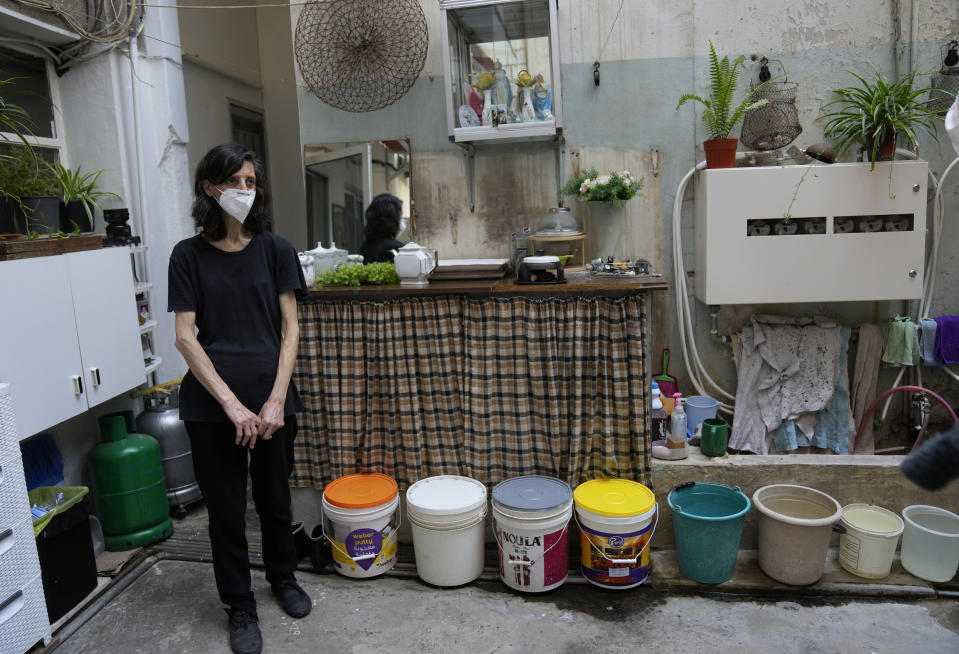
854,233
23,609
21,613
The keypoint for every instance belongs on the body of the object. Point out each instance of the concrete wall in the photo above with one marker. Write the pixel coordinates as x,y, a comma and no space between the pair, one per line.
652,54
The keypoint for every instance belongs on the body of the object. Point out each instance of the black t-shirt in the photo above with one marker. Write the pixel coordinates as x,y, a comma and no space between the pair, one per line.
236,297
374,251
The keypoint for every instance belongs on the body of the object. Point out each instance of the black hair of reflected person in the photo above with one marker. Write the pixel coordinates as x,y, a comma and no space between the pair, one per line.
383,218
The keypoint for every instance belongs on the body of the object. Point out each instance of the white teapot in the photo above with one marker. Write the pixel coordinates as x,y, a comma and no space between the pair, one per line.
414,263
309,272
326,258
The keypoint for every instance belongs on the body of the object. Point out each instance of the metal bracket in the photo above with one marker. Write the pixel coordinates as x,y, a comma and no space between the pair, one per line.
470,153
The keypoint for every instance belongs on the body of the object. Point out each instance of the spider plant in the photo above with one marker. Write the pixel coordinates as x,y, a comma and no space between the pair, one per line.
14,119
77,186
875,113
719,116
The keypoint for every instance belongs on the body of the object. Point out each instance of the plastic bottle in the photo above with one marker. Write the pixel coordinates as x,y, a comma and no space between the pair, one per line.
677,435
657,402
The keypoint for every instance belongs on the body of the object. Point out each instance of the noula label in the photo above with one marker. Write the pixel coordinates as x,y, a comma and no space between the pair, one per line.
533,562
613,568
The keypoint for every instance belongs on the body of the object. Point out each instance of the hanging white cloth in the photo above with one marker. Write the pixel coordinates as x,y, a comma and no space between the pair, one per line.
788,369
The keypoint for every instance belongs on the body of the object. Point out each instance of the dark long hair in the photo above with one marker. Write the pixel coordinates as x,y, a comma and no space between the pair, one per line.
215,167
383,217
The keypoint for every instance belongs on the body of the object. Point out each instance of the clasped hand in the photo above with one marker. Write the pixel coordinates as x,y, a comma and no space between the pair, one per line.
250,426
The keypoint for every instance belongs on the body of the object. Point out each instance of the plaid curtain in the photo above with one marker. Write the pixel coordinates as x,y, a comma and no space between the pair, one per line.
489,388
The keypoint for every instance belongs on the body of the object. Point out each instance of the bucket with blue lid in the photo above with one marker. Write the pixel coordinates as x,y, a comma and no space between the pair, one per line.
531,516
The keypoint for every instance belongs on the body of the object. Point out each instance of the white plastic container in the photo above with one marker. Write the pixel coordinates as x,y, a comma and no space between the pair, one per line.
360,519
447,517
868,546
930,542
531,517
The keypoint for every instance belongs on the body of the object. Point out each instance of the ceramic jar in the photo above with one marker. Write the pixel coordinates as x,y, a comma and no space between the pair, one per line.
326,258
414,263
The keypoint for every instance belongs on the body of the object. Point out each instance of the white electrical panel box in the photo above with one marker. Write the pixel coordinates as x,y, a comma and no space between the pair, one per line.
853,233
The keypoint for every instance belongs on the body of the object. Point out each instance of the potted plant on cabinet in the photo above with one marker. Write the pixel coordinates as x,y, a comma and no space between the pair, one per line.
873,114
719,116
30,183
15,120
80,197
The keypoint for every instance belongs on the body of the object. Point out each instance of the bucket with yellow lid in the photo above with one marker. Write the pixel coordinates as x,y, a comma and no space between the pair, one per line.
361,519
615,521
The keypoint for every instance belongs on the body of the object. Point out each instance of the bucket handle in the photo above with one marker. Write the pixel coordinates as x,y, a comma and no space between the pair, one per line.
512,561
688,484
839,528
399,510
627,561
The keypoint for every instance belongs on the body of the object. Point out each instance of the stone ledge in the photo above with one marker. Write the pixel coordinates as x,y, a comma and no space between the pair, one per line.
749,578
848,478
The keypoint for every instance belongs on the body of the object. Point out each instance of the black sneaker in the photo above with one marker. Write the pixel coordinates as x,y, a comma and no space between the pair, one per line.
244,632
292,598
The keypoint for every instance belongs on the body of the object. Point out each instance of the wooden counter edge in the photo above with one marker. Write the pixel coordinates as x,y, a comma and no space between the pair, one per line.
578,283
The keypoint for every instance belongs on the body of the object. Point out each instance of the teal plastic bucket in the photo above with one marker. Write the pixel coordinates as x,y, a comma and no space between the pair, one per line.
707,523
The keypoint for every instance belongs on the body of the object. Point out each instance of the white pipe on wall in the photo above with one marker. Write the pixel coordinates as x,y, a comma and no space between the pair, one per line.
141,217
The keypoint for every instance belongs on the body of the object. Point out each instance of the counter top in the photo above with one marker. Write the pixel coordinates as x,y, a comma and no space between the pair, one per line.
579,283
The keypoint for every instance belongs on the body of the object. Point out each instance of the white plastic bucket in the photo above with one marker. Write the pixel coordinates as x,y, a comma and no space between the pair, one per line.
362,539
615,542
531,516
868,546
446,516
930,542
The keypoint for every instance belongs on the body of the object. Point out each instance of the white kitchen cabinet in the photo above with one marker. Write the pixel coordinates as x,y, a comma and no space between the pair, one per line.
70,334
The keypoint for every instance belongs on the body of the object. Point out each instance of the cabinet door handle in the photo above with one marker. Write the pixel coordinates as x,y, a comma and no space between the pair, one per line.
95,375
77,385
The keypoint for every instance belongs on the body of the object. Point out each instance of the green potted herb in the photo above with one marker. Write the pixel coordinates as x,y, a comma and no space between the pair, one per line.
31,185
80,197
719,116
873,114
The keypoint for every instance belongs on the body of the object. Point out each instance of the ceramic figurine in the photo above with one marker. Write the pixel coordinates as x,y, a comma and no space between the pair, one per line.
542,100
502,93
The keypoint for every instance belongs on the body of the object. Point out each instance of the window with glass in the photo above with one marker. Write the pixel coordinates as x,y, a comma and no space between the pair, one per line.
501,65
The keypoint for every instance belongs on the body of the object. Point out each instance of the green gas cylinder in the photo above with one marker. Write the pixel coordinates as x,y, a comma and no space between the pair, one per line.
129,491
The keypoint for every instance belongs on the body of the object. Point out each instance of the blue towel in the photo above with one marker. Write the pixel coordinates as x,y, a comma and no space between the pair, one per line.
927,342
832,423
42,462
947,339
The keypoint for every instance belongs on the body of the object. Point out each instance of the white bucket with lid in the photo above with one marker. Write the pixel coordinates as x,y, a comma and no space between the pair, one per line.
361,520
868,546
531,516
930,542
446,516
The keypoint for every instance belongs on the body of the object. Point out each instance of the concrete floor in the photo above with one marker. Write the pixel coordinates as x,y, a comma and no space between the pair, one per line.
173,608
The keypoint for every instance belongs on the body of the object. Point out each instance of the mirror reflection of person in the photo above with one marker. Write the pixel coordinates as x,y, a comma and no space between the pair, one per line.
233,289
384,222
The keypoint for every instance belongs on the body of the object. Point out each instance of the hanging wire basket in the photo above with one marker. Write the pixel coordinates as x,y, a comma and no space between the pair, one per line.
943,89
775,124
361,55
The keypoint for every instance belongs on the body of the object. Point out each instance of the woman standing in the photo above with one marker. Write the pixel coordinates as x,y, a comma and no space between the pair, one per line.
384,222
233,287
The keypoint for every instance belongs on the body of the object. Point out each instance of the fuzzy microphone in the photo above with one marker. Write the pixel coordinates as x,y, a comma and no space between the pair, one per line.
936,463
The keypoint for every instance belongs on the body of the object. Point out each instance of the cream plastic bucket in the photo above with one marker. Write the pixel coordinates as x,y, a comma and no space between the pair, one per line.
362,534
531,516
795,525
930,543
868,546
446,516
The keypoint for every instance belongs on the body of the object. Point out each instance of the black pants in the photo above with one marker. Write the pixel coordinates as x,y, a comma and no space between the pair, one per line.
221,468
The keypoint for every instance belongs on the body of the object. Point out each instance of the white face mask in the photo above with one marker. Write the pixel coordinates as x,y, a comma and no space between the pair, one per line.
235,202
403,226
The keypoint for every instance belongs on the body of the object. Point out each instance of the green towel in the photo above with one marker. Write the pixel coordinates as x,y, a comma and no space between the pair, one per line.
900,341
